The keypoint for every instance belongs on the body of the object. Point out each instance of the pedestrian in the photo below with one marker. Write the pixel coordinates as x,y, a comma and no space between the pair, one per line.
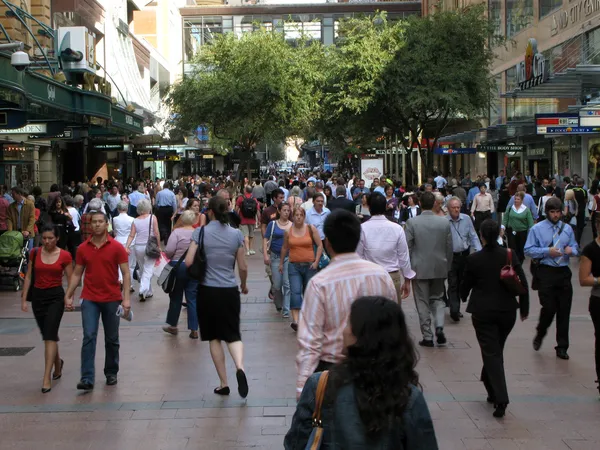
300,241
429,239
362,210
316,215
412,209
166,208
218,298
552,244
177,248
101,257
21,215
258,192
295,199
182,199
581,197
272,246
527,201
112,200
517,221
482,207
121,225
391,211
60,218
571,210
43,287
85,225
140,193
341,201
372,397
383,242
247,207
548,194
329,296
493,309
589,275
464,239
144,226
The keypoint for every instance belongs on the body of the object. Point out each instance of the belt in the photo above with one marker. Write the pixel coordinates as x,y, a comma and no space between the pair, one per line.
164,206
463,253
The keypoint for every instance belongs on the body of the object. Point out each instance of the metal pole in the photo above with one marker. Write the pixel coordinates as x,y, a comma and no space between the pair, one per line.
404,165
396,171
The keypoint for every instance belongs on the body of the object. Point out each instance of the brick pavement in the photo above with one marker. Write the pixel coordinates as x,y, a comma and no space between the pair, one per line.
164,398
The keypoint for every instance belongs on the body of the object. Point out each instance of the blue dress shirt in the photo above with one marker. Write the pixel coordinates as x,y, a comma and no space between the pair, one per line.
499,182
317,220
463,234
544,233
471,196
527,201
136,196
166,197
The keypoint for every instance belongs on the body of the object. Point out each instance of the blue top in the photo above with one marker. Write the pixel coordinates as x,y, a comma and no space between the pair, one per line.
135,197
472,193
221,243
166,197
542,235
527,201
499,182
464,235
318,220
277,239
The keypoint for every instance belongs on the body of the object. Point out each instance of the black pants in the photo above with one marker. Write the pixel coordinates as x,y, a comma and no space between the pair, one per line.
516,241
455,277
492,329
323,366
556,295
593,223
580,226
595,313
74,242
480,216
163,216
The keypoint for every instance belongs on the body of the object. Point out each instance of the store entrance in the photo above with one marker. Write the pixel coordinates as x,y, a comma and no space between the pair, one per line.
17,174
540,168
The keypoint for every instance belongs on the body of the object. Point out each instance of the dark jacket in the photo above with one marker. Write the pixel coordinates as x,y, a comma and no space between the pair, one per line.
406,213
344,429
342,203
482,280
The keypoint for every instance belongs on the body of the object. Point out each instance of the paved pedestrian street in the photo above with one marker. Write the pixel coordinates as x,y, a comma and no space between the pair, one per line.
164,398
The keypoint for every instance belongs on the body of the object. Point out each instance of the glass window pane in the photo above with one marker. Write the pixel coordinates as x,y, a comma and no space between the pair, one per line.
547,6
495,8
519,15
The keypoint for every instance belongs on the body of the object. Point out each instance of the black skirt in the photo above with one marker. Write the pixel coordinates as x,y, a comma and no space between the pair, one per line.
219,313
48,307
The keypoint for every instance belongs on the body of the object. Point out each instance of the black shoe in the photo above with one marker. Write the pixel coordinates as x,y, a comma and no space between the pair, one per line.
426,343
111,380
46,390
294,326
537,343
441,337
82,386
142,298
455,317
242,383
562,353
500,410
460,315
131,289
57,377
222,391
491,400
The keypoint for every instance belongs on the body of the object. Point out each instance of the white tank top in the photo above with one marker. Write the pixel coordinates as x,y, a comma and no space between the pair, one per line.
141,230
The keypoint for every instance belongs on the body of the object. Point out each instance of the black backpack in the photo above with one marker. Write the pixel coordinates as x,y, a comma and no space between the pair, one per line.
249,208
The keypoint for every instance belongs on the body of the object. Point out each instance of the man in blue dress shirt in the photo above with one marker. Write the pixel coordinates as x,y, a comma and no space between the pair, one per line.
552,242
166,207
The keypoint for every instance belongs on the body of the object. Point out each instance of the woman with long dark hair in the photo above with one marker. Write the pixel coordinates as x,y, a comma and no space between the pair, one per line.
371,399
60,217
493,308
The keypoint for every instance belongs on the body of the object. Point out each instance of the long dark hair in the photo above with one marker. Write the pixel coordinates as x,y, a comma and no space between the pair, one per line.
380,365
218,205
490,230
63,206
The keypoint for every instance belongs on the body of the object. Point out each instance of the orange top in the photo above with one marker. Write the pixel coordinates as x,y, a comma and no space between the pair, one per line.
301,248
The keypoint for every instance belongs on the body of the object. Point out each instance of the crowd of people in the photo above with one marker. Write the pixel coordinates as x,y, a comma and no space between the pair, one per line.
340,256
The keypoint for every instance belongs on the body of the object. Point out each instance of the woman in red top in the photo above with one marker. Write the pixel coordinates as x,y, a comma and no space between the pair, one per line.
48,263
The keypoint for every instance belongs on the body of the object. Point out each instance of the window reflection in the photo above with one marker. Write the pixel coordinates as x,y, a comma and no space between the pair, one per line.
519,15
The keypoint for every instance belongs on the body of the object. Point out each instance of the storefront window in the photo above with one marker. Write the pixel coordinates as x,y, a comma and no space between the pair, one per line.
564,56
547,6
495,102
519,15
16,165
592,55
495,8
525,108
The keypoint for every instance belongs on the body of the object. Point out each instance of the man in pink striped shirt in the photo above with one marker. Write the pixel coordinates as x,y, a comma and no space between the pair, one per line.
330,293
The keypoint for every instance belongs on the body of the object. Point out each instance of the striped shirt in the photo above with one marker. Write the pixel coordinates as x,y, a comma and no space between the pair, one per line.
326,308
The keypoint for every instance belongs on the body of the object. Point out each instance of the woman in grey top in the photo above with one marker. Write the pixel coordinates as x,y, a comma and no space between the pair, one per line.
218,298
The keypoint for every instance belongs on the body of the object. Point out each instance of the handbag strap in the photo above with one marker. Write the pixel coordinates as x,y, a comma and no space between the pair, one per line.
271,236
150,226
180,261
509,257
319,398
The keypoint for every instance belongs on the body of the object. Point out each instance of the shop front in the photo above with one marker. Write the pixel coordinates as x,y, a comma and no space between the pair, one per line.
17,165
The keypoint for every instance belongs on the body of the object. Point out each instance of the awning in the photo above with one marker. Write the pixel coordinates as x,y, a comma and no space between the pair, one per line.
575,82
496,133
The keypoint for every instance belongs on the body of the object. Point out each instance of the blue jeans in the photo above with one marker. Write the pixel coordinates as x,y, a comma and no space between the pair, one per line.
281,283
90,315
188,285
300,274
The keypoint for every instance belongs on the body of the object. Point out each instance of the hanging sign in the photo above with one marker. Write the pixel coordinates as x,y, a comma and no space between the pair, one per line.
532,71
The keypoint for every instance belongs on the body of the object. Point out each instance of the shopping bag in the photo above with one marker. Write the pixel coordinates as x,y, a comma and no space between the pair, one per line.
160,264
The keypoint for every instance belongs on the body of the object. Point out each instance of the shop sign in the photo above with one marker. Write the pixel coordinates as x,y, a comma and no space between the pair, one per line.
454,151
31,128
536,152
146,155
543,121
66,134
576,12
532,71
105,146
500,148
572,130
208,156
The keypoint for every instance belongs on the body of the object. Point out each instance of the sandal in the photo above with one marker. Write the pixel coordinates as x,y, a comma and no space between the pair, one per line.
57,377
193,335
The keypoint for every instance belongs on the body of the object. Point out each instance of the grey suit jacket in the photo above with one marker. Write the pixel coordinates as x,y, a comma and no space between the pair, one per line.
429,240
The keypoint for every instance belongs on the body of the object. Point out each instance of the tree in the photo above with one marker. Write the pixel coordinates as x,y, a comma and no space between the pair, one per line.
251,88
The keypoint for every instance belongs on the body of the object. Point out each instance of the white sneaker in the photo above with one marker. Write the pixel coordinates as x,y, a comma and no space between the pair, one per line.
252,252
247,253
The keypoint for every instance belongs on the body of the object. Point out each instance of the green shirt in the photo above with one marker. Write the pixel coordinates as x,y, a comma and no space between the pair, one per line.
522,221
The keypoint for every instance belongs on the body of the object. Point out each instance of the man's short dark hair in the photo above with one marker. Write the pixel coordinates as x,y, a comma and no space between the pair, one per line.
553,204
340,190
377,204
19,191
96,213
276,192
427,201
342,230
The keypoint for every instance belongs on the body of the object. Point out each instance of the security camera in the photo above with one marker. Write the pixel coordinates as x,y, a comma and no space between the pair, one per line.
20,60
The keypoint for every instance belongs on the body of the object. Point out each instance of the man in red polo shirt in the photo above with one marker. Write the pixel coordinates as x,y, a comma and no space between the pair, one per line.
101,257
247,208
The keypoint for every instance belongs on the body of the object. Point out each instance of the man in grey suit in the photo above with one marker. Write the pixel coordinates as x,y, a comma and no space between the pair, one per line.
429,239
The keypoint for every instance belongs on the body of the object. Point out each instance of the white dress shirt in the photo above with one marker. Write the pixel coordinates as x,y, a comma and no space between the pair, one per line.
384,242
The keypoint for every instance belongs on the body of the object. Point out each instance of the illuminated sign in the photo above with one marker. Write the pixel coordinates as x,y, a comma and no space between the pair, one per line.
562,120
31,128
532,71
500,148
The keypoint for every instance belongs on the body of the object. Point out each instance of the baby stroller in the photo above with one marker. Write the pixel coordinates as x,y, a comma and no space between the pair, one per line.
13,259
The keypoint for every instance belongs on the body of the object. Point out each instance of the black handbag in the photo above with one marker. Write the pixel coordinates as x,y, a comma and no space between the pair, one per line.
168,276
197,270
152,247
32,278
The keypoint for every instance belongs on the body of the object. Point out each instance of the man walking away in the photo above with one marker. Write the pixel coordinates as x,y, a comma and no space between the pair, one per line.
101,257
429,239
247,207
166,208
330,293
552,243
464,239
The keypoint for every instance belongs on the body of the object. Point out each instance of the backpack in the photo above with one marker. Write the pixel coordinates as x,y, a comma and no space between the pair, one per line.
249,208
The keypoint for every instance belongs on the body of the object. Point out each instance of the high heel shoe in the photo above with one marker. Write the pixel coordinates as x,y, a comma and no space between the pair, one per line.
57,377
46,390
222,391
500,410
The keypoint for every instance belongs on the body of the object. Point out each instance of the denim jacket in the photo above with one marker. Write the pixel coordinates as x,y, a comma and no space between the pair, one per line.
344,429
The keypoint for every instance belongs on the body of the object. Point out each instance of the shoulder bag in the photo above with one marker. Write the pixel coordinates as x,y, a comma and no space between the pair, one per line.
535,263
510,278
271,236
32,278
197,270
168,276
316,436
324,260
152,247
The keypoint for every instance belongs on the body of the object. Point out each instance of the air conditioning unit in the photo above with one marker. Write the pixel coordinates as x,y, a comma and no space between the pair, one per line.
77,49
